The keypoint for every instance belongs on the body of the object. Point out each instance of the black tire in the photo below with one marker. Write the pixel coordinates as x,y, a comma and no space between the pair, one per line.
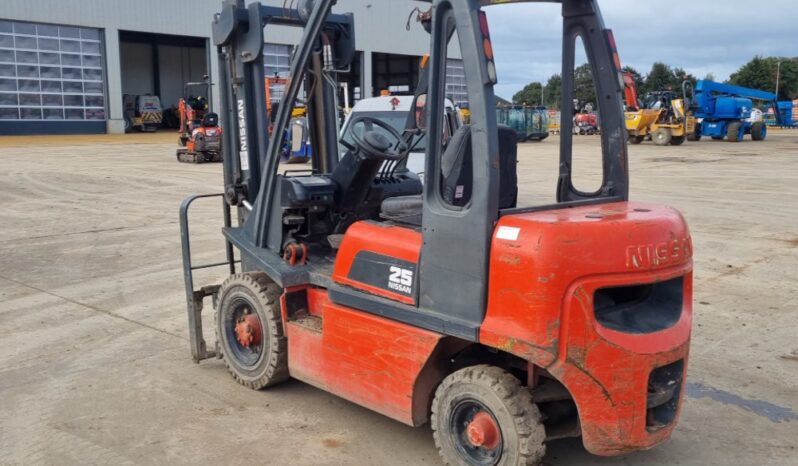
677,140
758,131
733,131
491,390
128,125
635,139
240,296
662,136
694,136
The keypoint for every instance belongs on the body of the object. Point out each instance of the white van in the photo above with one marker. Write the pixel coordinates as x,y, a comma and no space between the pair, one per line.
394,110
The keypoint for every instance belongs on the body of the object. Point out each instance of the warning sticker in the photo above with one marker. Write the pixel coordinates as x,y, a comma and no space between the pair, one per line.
508,233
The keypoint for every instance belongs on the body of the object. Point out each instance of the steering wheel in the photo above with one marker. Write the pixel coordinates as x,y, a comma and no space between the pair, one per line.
376,145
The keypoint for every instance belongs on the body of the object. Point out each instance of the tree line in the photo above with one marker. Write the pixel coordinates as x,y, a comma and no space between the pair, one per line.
759,73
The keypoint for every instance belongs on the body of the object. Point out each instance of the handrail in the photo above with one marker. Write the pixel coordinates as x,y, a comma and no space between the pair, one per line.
194,298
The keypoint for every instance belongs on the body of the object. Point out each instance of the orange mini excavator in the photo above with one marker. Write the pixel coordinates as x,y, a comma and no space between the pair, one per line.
200,137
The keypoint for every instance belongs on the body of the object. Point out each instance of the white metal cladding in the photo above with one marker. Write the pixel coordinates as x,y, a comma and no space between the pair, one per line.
456,88
50,72
277,61
379,27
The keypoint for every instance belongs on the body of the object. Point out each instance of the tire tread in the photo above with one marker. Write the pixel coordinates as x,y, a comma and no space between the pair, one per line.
268,295
515,398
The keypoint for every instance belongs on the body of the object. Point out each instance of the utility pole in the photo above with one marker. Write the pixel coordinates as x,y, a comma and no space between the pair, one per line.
778,75
542,86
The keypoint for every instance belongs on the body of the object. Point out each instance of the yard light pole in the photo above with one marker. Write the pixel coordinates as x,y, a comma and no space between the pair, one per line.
778,75
542,103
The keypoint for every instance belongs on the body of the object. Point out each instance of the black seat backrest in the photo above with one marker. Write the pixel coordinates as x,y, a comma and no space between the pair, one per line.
457,179
210,120
508,167
456,168
354,176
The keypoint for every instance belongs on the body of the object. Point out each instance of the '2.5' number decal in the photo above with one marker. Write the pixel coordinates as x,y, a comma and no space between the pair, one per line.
401,276
401,280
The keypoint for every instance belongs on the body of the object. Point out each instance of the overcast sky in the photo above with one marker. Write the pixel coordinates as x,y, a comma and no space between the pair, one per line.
702,36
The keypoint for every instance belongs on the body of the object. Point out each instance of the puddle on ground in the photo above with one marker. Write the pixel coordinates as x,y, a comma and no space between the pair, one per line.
762,408
685,159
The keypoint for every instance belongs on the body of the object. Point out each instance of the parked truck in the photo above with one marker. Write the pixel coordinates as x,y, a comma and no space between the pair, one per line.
724,110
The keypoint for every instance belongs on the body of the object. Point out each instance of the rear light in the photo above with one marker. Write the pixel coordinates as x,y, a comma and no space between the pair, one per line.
487,46
642,308
616,58
483,24
613,48
488,49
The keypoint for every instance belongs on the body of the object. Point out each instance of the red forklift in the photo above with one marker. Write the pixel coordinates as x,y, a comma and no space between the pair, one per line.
505,326
200,137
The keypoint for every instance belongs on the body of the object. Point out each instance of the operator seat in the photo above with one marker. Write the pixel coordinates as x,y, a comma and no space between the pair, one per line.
457,177
210,120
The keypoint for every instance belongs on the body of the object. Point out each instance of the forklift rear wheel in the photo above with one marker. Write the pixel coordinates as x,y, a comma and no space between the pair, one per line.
482,416
662,136
677,140
636,139
128,125
694,136
249,330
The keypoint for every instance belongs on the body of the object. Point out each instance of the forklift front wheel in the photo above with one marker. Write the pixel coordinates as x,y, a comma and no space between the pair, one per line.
483,416
249,330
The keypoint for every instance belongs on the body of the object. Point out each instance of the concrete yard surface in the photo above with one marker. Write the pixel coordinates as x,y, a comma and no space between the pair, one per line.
94,357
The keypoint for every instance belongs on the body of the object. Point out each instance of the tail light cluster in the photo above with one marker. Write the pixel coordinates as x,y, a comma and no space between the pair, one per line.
487,47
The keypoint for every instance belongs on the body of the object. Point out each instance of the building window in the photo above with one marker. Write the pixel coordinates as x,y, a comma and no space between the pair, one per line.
50,72
456,89
394,72
277,62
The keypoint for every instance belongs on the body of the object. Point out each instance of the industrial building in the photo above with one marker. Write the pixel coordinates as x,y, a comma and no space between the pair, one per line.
66,64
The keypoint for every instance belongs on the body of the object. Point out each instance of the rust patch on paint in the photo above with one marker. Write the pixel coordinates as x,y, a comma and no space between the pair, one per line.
511,259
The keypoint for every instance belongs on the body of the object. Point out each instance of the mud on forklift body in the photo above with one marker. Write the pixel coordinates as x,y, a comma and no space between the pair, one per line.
503,326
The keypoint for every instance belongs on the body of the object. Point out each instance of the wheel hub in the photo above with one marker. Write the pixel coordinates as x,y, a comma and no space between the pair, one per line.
483,431
248,330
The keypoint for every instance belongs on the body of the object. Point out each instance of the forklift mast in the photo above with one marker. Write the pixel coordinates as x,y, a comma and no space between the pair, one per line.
251,156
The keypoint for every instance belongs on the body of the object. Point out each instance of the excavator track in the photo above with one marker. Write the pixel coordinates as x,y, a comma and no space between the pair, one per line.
185,156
